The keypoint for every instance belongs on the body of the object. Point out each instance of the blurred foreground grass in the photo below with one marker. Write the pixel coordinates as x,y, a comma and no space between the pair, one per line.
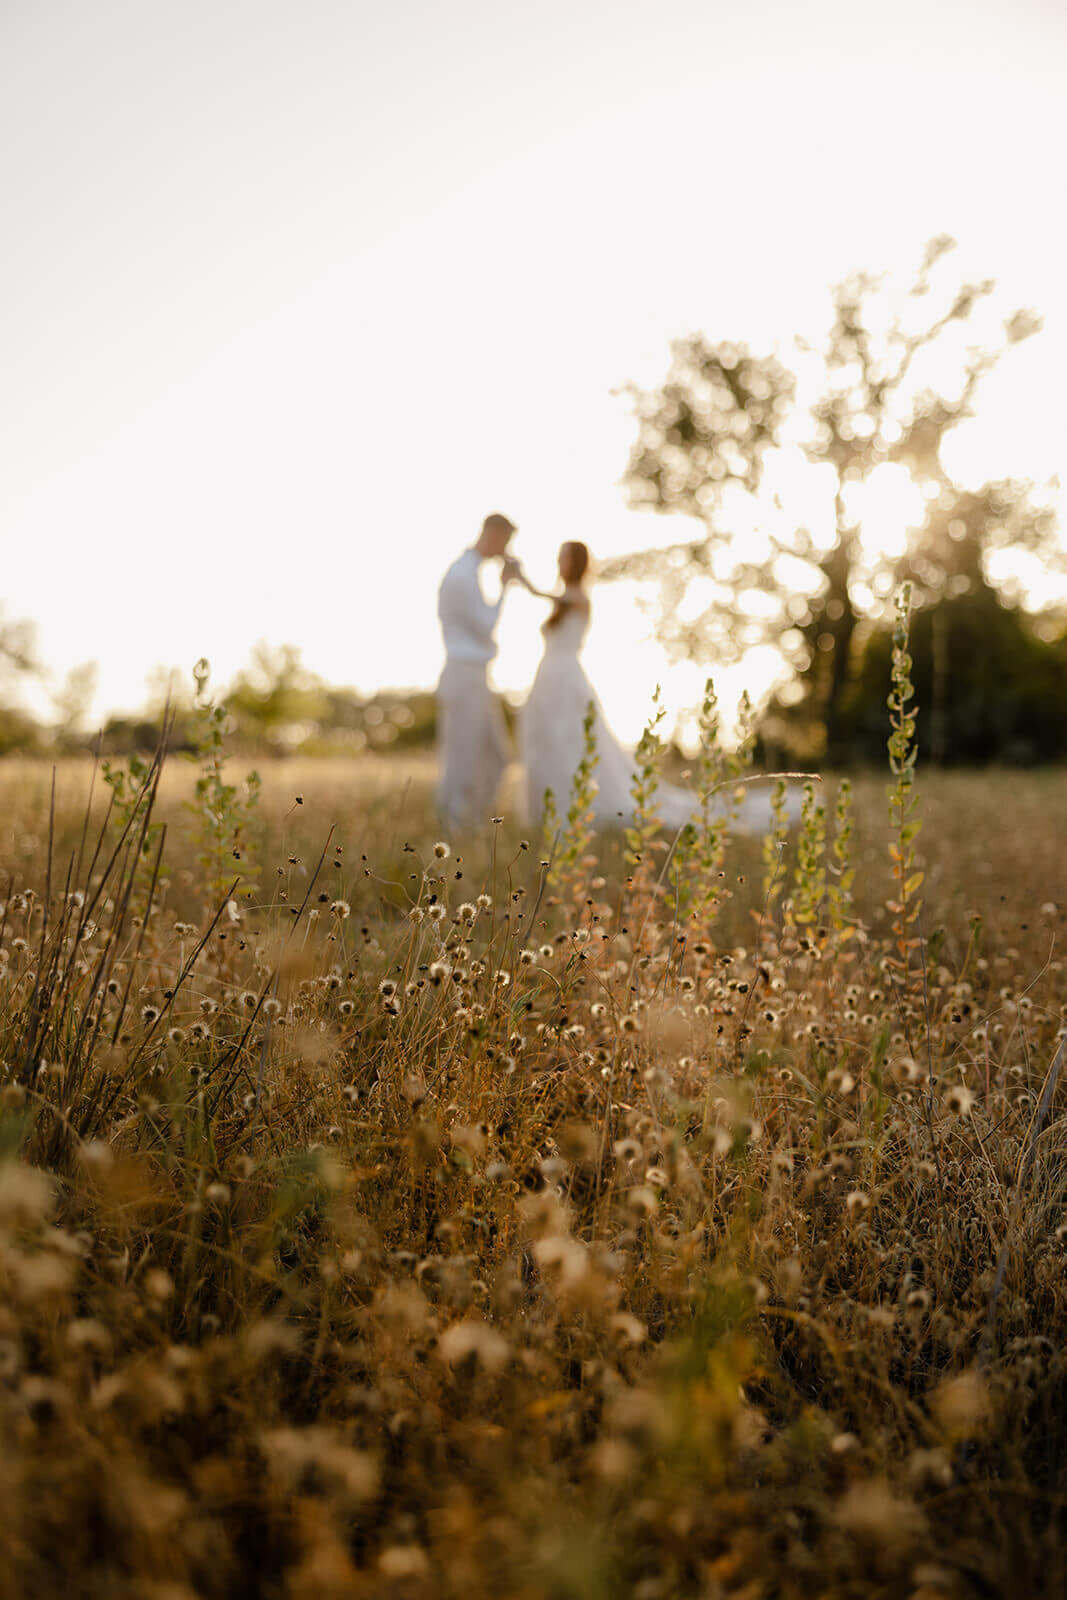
421,1227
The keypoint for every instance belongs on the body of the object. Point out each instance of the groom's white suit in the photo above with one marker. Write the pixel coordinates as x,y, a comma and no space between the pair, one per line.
472,738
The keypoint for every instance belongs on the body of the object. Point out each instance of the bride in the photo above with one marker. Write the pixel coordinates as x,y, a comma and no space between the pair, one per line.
551,728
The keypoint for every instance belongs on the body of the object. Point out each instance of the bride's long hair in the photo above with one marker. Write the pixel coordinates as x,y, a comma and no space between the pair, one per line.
573,566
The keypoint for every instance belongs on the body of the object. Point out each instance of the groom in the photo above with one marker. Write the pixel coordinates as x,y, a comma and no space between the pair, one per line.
472,739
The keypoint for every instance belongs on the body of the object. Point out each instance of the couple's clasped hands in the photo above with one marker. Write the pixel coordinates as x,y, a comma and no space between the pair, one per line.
511,572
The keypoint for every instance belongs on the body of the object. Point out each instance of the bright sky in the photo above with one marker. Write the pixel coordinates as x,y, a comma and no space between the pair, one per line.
294,293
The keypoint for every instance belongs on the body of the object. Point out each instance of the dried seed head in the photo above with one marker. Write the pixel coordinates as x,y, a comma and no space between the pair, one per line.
959,1100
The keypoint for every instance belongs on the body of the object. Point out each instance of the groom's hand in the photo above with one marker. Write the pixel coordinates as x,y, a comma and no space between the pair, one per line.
511,570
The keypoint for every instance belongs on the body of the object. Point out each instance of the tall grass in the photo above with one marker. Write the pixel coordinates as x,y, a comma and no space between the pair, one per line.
445,1217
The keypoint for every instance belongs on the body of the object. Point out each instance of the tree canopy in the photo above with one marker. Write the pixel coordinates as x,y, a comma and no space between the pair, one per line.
770,463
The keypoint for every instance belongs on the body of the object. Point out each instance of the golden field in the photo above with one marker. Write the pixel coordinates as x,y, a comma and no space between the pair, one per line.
413,1222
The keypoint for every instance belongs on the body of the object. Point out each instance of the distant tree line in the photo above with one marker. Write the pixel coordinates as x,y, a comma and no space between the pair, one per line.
275,706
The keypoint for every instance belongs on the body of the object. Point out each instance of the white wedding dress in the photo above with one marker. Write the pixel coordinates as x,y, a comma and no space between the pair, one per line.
552,744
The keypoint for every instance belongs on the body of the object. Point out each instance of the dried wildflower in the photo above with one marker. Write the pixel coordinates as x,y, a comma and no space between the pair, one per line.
642,1200
959,1100
962,1405
474,1339
871,1511
401,1562
341,909
158,1284
26,1194
563,1258
86,1333
413,1088
930,1469
442,850
628,1328
552,1169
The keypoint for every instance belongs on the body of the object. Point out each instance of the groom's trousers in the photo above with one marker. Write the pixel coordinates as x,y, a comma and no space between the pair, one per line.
472,744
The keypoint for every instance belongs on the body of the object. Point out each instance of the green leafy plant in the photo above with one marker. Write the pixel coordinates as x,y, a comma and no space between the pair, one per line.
648,762
904,824
223,811
697,868
129,783
841,871
576,835
774,843
809,877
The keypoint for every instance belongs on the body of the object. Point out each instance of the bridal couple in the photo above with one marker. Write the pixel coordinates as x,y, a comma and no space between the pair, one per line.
473,740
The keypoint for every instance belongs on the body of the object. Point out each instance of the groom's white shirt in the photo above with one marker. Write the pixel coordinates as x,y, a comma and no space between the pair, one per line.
468,619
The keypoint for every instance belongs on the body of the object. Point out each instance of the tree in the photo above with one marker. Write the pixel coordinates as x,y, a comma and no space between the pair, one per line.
275,697
745,446
1005,701
72,702
19,729
18,650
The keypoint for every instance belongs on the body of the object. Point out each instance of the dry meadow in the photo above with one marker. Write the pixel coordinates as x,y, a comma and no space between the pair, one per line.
383,1214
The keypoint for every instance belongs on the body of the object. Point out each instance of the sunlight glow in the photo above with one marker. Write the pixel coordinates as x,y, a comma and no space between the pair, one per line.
886,505
272,398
